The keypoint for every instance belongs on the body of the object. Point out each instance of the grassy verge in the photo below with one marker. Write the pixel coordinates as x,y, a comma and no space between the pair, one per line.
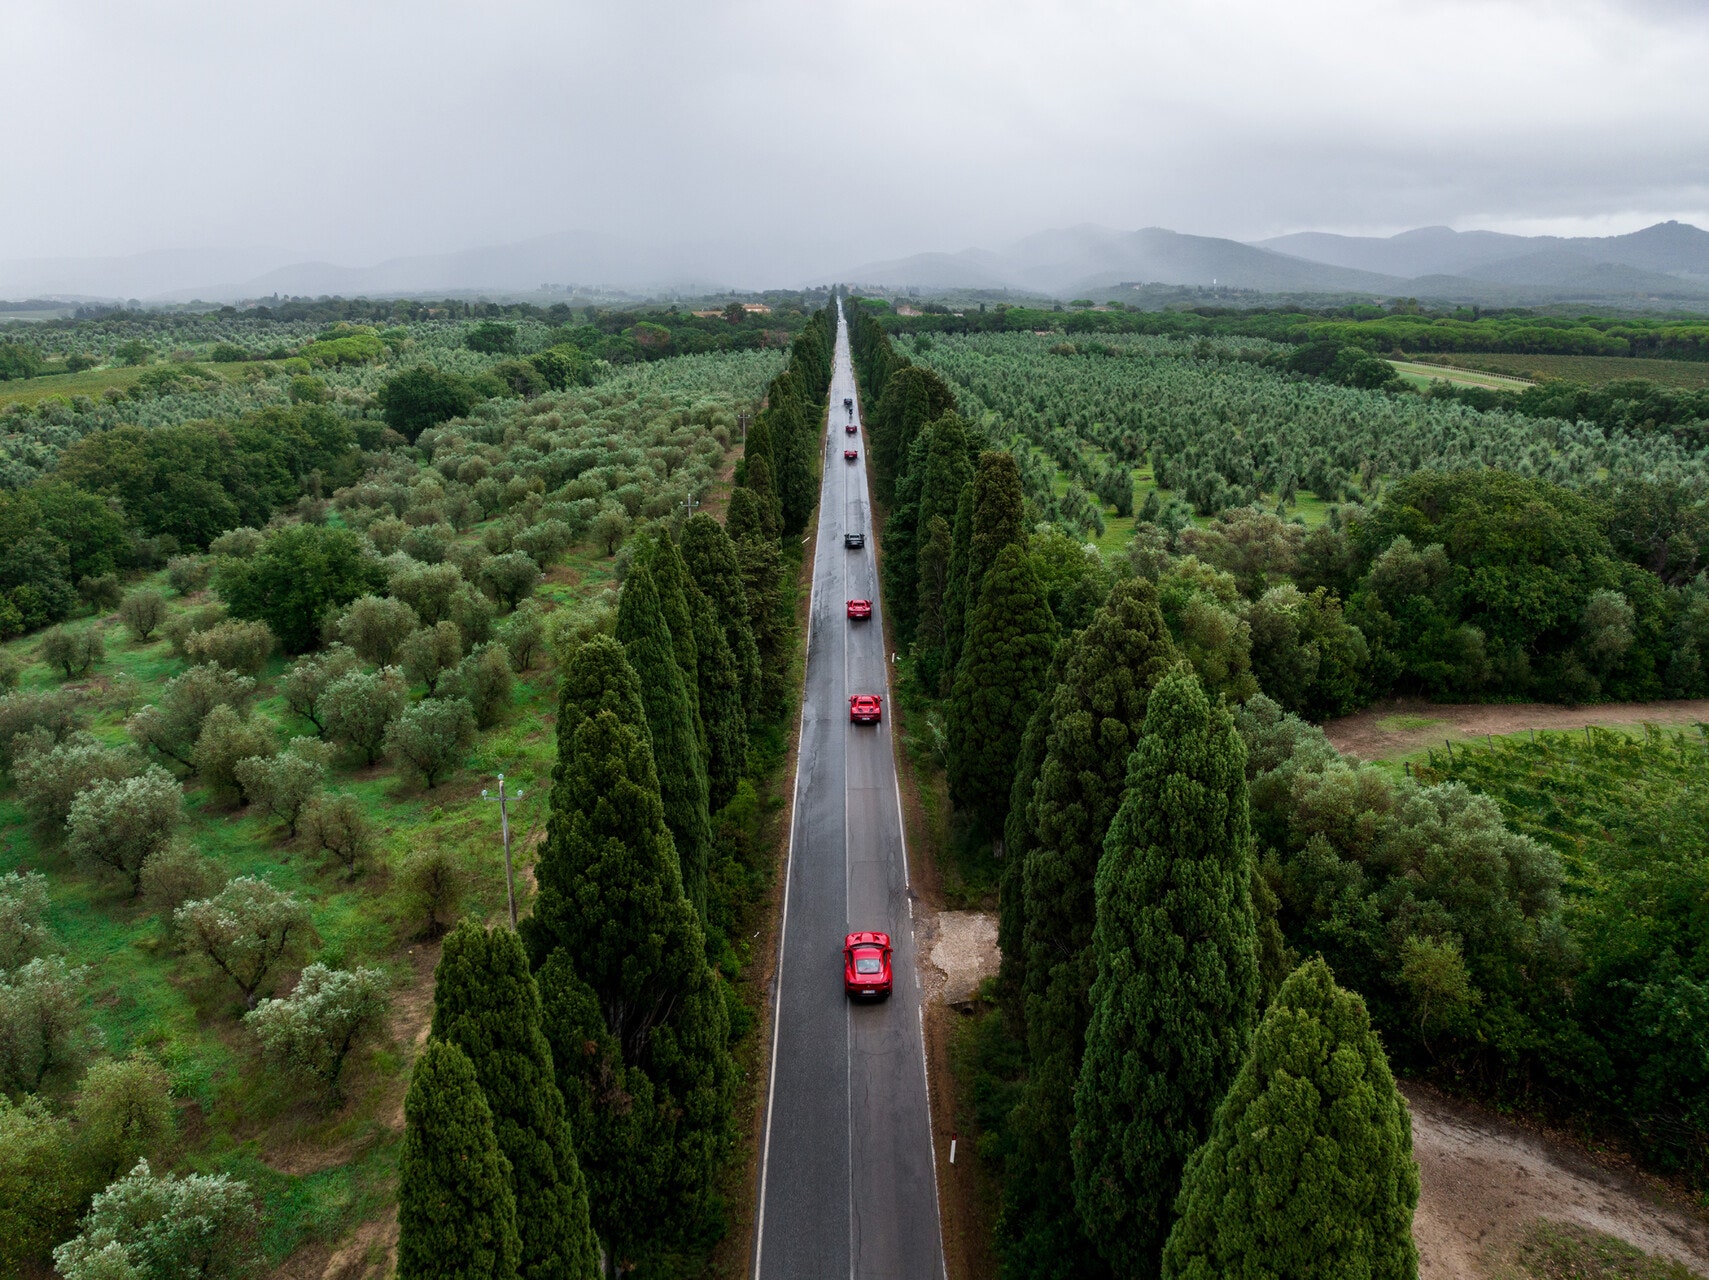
1566,1251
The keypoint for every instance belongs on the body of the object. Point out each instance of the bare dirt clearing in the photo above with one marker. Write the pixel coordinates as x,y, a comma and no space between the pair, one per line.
1390,730
962,948
1486,1180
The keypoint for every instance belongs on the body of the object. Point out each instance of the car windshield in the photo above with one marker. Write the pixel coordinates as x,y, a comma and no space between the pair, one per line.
868,963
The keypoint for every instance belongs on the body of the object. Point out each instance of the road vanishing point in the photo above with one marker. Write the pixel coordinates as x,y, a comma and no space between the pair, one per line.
848,1180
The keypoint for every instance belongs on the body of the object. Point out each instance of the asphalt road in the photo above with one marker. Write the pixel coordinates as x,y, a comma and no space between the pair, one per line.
848,1184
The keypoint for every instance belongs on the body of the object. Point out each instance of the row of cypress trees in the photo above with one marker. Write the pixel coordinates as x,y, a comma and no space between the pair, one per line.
1162,1128
574,1100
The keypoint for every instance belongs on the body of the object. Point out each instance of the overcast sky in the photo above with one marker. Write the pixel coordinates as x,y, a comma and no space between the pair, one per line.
835,130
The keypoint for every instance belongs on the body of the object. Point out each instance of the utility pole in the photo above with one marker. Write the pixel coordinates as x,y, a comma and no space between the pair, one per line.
504,826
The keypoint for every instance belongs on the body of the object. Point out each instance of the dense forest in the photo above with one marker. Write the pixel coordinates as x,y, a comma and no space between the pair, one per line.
1128,745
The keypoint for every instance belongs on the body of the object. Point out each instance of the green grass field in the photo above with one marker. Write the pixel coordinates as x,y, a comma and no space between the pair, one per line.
1587,369
91,383
1422,375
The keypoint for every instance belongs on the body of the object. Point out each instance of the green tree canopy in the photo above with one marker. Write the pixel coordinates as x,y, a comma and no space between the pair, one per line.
423,397
1308,1169
302,575
456,1210
485,1003
1176,992
997,688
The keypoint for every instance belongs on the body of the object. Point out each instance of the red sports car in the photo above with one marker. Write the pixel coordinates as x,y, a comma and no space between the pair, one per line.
865,708
860,608
851,428
866,964
849,455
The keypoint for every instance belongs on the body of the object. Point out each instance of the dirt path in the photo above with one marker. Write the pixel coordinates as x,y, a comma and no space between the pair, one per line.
1485,1180
1389,730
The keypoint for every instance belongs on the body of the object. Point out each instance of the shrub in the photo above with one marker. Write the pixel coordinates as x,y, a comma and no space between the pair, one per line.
228,738
49,780
237,646
124,1114
73,652
374,627
143,1227
101,593
23,918
337,824
38,1196
142,612
180,627
523,634
361,706
284,784
35,716
429,589
172,725
428,543
237,544
431,886
189,574
10,673
431,738
305,684
484,680
312,1031
544,542
510,577
430,653
178,874
119,825
246,929
387,534
44,1021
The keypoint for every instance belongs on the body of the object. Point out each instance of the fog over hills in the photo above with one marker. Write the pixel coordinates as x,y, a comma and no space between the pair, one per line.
1665,264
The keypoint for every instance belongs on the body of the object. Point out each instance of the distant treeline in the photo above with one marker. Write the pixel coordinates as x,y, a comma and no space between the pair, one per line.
1403,328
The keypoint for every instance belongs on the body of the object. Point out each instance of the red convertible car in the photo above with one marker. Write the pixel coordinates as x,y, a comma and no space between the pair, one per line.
865,708
849,455
860,608
866,965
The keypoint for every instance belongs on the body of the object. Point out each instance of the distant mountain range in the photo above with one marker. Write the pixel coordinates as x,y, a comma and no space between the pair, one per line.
1667,264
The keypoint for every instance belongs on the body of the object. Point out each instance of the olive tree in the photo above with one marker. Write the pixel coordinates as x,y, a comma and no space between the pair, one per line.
375,626
430,653
73,652
361,706
48,777
118,825
305,683
285,784
227,738
23,918
312,1031
142,612
172,724
235,645
143,1226
431,738
44,1021
247,929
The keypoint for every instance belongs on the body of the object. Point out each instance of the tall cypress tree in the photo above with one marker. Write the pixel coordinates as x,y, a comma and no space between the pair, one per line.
956,590
998,688
761,563
744,518
456,1211
1308,1170
635,1016
997,520
1018,842
1097,713
646,640
720,703
671,579
792,442
937,469
932,567
759,475
1176,992
709,555
485,1003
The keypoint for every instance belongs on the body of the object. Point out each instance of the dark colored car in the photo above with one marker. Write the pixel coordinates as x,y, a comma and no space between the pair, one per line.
860,608
866,708
849,455
866,965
